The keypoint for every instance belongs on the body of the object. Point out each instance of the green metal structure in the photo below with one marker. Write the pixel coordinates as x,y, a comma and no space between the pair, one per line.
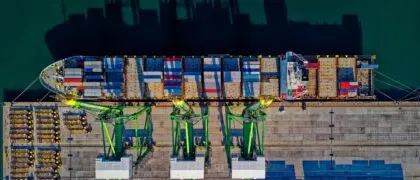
252,120
143,145
183,115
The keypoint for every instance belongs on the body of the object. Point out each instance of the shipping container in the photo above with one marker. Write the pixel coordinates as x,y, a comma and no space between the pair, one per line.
346,62
251,89
346,74
269,65
251,78
97,84
232,76
270,88
192,90
153,64
192,64
75,71
114,77
192,78
94,77
312,65
232,89
231,64
211,61
327,78
283,76
72,84
154,90
369,66
92,92
72,80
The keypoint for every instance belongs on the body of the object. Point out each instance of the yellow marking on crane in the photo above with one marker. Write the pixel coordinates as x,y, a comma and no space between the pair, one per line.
71,102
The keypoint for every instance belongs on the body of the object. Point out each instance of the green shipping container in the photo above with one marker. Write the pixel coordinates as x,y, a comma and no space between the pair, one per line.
289,91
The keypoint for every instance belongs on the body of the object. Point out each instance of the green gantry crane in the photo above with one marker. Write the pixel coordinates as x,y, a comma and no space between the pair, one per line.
183,115
143,145
252,141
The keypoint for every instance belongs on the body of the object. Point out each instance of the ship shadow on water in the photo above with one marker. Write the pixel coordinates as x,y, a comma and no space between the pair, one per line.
209,27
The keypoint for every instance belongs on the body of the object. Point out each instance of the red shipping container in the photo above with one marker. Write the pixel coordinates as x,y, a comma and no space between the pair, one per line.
80,87
172,77
172,59
212,90
345,85
300,89
312,65
294,91
294,94
72,80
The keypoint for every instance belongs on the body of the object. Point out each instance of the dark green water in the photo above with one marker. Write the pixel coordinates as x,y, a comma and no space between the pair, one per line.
390,29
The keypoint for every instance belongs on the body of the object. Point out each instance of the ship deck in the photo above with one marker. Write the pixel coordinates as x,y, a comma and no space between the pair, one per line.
362,131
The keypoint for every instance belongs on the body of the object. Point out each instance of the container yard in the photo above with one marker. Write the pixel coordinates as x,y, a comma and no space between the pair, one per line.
288,77
289,116
374,139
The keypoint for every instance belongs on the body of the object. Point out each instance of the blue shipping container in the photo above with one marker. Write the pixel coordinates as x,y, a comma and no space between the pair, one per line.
369,66
250,70
153,64
152,76
283,76
192,73
94,77
192,64
230,64
251,78
245,59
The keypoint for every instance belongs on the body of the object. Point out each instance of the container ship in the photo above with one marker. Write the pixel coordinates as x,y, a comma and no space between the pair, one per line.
289,77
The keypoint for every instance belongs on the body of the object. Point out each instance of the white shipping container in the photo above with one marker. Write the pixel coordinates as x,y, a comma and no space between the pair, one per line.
72,84
252,62
354,83
152,80
247,66
152,73
97,69
211,61
93,62
192,78
73,70
91,84
73,76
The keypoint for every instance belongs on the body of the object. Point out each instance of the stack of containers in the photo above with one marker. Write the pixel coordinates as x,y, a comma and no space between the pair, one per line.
363,77
283,79
327,77
73,77
348,89
231,78
269,77
346,77
251,77
114,72
192,77
93,77
212,77
172,77
311,85
134,78
153,77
